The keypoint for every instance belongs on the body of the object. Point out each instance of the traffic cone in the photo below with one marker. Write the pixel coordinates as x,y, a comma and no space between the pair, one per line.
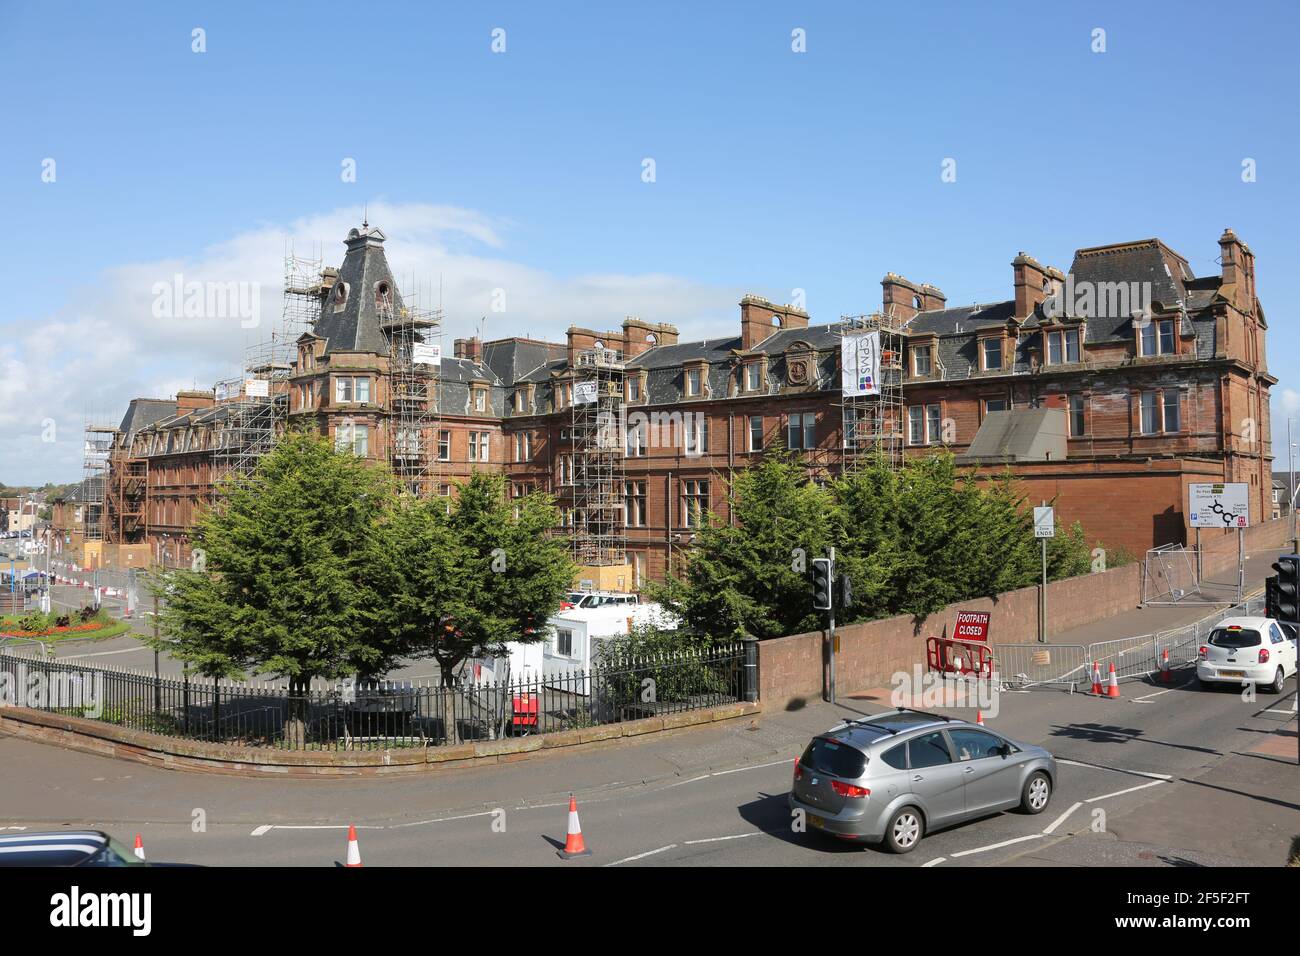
139,847
573,843
979,717
1165,675
1096,679
354,848
1112,688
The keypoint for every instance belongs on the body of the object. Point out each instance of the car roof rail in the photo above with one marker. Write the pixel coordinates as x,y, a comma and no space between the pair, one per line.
925,713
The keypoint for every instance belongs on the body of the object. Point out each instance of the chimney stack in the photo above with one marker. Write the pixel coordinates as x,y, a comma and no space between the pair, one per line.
1238,264
1033,282
471,348
902,298
759,319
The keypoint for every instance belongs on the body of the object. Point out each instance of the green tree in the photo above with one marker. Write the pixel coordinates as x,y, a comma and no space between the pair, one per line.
283,556
466,583
751,576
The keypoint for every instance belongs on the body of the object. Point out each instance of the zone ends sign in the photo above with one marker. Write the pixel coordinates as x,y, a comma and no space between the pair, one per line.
971,626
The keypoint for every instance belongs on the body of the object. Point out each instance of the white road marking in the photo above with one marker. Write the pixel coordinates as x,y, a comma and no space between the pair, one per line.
738,836
757,766
261,831
1118,793
682,783
642,856
1061,819
1143,700
1097,766
1276,711
934,862
998,846
125,650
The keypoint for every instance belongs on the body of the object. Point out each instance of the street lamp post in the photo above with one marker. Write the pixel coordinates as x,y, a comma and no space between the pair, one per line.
1290,491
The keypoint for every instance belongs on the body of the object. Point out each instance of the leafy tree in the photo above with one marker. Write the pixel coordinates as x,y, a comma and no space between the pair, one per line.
284,555
751,576
465,583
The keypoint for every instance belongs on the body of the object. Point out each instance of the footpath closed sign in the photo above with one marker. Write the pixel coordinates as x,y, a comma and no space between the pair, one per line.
972,626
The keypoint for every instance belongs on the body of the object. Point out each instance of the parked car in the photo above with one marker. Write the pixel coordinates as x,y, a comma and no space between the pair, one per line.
894,777
1246,650
65,848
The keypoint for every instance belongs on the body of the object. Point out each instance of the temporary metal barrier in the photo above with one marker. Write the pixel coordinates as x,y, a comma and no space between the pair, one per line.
1030,665
946,655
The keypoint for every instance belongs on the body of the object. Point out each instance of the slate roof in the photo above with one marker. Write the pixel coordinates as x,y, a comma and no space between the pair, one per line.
513,359
355,326
143,412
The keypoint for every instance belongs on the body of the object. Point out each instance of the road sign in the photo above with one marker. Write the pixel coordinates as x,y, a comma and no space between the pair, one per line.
972,626
1045,522
1224,505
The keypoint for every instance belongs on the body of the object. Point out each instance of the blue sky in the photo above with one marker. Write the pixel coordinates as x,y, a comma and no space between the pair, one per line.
522,170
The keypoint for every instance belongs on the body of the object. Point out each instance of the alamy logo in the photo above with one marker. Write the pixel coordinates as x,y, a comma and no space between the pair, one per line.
1098,300
74,908
77,691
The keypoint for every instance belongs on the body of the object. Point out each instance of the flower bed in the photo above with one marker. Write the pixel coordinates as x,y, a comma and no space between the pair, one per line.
71,629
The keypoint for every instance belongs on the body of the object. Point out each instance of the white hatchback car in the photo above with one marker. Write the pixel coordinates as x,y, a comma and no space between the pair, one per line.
1247,650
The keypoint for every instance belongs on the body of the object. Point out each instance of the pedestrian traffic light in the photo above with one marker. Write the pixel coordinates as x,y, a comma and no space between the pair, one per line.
1288,588
846,591
821,574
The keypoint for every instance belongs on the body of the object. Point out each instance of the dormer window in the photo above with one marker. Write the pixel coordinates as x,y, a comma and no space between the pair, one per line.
922,360
634,388
753,376
521,400
694,379
1062,346
340,296
991,353
1157,337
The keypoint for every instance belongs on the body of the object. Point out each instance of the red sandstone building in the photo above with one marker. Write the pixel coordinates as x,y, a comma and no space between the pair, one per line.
1134,376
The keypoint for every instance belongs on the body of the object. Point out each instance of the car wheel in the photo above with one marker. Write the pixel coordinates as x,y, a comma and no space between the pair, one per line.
1037,793
1278,680
904,830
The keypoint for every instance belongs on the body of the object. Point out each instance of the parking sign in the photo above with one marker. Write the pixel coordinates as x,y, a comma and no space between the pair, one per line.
1044,522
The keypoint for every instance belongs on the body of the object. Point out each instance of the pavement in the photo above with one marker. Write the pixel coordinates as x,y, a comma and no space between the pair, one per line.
1168,775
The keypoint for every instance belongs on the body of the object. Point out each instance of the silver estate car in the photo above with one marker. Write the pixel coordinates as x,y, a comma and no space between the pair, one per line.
894,777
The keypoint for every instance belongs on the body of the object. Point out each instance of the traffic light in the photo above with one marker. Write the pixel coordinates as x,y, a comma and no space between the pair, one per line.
846,591
821,574
1271,597
1288,588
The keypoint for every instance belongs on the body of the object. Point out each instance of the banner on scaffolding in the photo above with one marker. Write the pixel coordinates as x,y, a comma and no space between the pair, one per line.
860,363
584,393
257,388
426,353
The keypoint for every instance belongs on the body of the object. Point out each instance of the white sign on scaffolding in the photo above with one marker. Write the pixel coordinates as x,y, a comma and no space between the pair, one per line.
860,363
257,388
584,393
426,353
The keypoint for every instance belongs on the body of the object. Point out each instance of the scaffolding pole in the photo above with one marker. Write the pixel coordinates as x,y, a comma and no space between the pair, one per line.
414,356
873,418
599,538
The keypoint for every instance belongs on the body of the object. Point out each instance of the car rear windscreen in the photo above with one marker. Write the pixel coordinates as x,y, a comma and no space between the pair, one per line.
833,757
1234,637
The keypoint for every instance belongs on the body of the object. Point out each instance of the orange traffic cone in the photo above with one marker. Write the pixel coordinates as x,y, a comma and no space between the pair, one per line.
573,843
354,848
139,847
1165,675
979,717
1112,688
1096,678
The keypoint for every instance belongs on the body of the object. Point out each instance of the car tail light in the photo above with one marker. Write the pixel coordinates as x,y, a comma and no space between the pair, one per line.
798,770
1263,655
849,790
1205,652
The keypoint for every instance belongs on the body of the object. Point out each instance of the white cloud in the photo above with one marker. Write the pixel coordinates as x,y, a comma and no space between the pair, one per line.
108,343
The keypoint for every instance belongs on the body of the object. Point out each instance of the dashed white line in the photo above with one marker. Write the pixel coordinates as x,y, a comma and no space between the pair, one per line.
1061,819
420,823
1119,793
642,856
738,836
934,862
998,846
1097,766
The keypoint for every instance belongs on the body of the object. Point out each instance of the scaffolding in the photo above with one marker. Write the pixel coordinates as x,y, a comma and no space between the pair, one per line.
414,355
872,413
598,458
255,405
98,448
126,502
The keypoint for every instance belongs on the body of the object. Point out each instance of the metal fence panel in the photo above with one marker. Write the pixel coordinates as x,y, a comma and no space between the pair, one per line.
1028,665
347,715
